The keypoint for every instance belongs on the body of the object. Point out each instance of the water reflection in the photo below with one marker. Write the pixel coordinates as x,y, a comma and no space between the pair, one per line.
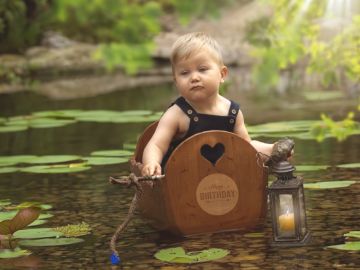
87,196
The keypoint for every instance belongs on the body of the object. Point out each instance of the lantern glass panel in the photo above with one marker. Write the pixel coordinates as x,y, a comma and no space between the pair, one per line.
286,217
302,213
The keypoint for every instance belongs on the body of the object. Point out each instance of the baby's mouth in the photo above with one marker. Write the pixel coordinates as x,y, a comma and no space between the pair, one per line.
196,87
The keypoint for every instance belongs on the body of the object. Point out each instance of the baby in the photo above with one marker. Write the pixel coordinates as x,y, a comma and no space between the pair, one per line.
198,71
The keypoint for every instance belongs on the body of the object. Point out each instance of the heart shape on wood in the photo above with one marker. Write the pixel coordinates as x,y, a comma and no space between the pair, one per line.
212,154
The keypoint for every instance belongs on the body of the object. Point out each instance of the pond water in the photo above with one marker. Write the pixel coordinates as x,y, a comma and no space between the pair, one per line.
87,196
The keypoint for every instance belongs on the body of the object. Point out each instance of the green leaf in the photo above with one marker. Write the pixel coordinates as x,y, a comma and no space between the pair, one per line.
13,253
309,168
5,202
349,165
355,234
4,129
74,230
37,233
11,214
38,222
329,185
53,159
288,126
178,255
350,246
8,170
112,153
54,169
323,95
105,160
47,242
16,159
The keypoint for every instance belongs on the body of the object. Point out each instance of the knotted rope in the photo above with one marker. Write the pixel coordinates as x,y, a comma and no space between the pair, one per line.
131,180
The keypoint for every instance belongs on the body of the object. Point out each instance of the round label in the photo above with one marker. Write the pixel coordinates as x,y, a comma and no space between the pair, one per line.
217,194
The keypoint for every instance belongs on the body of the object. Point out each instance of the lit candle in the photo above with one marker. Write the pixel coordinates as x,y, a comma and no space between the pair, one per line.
287,222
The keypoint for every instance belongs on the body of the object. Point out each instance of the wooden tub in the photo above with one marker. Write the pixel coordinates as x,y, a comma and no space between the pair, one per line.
200,194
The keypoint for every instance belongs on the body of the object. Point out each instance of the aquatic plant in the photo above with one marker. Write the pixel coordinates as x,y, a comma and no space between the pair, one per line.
74,230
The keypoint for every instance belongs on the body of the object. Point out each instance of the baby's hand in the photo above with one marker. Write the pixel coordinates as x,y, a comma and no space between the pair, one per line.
152,168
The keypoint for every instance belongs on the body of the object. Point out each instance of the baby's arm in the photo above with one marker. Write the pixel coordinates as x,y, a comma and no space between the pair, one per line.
240,129
160,141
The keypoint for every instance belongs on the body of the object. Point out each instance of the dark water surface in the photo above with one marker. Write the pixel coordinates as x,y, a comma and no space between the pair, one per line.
87,196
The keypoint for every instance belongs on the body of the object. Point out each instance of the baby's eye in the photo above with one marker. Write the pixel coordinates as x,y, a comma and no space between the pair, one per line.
203,68
184,72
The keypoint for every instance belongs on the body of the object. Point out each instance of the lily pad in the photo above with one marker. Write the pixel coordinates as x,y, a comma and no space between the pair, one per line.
105,160
50,124
53,159
29,204
350,246
54,169
13,253
112,153
74,230
11,214
355,234
309,168
285,126
37,233
38,222
8,170
5,202
12,128
178,255
329,184
349,165
58,113
323,95
48,242
16,159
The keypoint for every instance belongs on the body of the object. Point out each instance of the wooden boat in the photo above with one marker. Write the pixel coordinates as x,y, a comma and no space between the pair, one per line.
202,194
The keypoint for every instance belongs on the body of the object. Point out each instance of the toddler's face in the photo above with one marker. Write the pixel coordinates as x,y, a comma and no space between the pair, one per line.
198,77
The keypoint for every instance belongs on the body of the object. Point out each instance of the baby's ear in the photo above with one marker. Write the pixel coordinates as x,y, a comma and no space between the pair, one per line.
224,73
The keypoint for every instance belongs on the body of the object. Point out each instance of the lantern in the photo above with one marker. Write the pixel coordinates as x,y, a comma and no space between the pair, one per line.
288,207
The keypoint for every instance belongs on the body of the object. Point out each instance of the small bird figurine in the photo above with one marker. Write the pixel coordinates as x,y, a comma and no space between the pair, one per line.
281,151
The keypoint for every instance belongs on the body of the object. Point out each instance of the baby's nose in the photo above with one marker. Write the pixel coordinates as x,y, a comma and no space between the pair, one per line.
194,76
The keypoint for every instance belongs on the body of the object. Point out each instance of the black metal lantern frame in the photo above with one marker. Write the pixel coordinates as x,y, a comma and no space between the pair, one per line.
288,207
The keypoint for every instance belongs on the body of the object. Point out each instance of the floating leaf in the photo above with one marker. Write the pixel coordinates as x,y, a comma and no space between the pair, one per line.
37,222
129,146
74,230
105,160
54,169
285,126
29,204
329,184
13,253
178,255
7,164
349,166
112,153
308,168
8,170
53,159
351,246
11,214
12,128
323,95
47,242
5,202
37,233
50,124
58,113
355,234
16,159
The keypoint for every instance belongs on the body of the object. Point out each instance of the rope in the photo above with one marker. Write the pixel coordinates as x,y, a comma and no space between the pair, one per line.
131,180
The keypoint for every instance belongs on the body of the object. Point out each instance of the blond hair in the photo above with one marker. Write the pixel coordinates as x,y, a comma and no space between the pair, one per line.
187,44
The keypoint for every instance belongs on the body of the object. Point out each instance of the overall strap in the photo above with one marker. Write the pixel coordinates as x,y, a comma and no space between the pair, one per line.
234,109
186,108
